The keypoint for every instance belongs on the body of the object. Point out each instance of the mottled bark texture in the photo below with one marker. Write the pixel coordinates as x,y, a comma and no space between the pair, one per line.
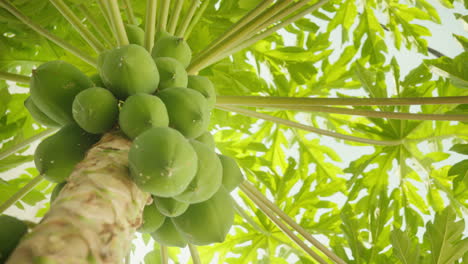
95,216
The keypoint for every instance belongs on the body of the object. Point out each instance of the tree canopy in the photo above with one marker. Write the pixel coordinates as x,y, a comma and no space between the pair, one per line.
374,166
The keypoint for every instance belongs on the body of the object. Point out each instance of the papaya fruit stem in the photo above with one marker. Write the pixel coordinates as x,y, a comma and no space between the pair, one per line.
319,131
13,149
150,23
119,27
41,31
164,255
96,25
238,25
21,193
194,253
129,10
266,101
84,32
188,17
196,18
270,214
14,77
249,188
165,4
174,20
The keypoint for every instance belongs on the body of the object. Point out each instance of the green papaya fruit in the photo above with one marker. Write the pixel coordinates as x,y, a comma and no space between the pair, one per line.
11,232
152,219
161,34
174,47
38,115
135,34
207,139
204,86
169,206
232,175
56,191
96,79
209,176
53,87
207,222
141,112
96,110
167,235
171,72
128,70
187,109
162,162
57,155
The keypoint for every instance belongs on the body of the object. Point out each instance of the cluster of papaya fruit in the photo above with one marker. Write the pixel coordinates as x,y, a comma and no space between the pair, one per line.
164,111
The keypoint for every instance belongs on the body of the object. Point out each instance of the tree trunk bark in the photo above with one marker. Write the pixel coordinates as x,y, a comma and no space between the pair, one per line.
95,216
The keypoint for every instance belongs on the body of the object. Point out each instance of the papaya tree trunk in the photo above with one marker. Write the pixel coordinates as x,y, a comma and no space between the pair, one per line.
94,217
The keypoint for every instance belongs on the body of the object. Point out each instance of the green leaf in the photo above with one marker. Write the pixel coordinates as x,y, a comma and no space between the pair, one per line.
444,236
404,248
455,69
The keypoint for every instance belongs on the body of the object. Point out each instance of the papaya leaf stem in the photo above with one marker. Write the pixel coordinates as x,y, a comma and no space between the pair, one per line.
41,31
194,253
98,27
252,38
266,101
228,43
14,77
150,23
188,17
165,4
129,10
319,131
174,20
238,25
21,193
247,218
13,149
249,187
196,18
104,7
84,32
371,113
164,255
270,214
117,21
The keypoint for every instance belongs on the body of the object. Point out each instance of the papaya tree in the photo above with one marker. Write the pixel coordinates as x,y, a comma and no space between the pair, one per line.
260,131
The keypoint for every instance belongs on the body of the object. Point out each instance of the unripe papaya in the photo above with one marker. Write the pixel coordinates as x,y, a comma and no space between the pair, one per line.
161,34
204,86
174,47
96,110
168,235
207,139
56,191
57,155
96,79
232,175
11,232
207,222
53,87
162,162
152,219
135,34
141,112
128,70
38,115
208,178
187,109
169,206
172,73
